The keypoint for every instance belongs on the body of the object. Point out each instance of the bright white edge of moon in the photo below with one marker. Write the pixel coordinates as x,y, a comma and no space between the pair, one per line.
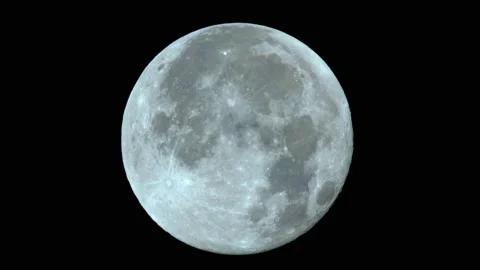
228,158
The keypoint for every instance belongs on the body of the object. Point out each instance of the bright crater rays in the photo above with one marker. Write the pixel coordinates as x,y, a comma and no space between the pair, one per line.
237,139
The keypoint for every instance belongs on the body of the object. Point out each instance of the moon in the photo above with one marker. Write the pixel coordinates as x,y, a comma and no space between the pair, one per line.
237,139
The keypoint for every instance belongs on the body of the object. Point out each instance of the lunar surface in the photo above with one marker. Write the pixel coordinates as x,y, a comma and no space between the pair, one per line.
237,138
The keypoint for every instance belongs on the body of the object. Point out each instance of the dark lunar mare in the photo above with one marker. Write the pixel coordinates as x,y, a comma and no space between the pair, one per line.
289,174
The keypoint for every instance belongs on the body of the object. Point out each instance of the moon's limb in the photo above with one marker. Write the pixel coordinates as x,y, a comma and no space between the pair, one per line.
237,138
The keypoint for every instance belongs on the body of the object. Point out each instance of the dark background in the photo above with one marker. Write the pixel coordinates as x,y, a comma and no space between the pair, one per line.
400,205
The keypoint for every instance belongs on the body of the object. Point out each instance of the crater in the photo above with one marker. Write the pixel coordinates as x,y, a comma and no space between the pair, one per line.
326,193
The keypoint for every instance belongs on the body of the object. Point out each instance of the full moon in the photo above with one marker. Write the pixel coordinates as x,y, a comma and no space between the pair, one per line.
237,138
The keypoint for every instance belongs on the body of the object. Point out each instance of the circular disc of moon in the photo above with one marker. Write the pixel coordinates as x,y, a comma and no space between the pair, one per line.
237,138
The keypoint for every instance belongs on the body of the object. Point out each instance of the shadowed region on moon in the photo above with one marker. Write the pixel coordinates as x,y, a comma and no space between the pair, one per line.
220,134
326,193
